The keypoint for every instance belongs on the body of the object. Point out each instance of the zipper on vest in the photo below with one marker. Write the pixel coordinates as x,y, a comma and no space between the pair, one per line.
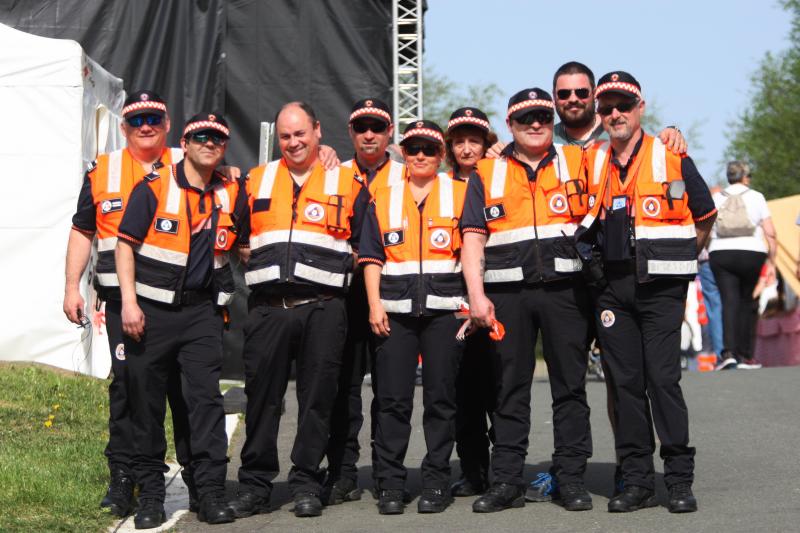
420,287
291,229
539,264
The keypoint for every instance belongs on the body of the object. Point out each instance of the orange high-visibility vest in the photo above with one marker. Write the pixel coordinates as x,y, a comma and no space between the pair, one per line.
162,257
113,178
392,172
664,232
423,268
305,239
531,224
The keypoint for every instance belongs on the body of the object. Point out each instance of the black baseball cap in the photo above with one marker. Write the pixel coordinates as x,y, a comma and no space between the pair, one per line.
423,129
468,116
619,82
207,122
372,108
144,103
528,100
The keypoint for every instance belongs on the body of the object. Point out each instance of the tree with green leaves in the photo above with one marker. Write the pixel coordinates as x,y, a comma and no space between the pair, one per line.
441,96
767,133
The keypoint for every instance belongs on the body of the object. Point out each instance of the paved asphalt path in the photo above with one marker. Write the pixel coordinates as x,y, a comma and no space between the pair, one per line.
745,425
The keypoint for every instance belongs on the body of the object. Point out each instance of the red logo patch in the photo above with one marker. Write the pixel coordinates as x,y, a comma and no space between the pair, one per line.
614,77
368,103
468,112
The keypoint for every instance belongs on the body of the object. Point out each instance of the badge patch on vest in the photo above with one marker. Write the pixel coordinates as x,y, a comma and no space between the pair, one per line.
111,205
558,203
607,318
314,212
493,212
591,201
222,238
651,206
440,238
392,238
119,352
166,225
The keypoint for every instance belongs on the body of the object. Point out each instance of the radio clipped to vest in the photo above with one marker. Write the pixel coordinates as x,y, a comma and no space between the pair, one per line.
577,197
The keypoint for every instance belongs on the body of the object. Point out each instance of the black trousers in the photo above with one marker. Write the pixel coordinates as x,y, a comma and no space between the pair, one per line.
639,325
736,273
474,400
347,417
314,334
119,450
187,338
562,311
396,359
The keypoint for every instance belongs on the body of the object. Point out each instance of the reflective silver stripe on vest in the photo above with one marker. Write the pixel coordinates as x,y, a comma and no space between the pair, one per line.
396,205
445,196
395,172
660,266
106,245
498,178
302,237
223,198
502,275
561,164
659,161
318,275
396,306
443,302
154,293
331,186
551,231
224,298
262,275
563,264
114,171
162,254
107,279
498,238
588,220
176,155
221,260
173,204
666,232
599,162
429,266
348,164
268,179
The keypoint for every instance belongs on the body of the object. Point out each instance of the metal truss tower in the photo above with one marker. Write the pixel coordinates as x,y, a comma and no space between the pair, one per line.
407,62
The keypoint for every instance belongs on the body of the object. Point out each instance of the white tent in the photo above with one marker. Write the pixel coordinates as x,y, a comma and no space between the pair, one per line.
60,109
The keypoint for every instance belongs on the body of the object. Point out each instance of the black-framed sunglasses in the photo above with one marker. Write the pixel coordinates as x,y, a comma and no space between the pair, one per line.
361,126
540,115
564,94
203,138
139,120
429,150
623,107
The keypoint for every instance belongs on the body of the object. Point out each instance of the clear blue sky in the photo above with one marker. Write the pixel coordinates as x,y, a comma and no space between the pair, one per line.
693,58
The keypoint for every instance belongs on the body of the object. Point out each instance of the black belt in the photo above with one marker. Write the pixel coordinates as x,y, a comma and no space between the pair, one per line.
289,302
194,297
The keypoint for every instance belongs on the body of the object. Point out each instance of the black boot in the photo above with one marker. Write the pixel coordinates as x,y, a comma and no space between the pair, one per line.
215,510
632,498
307,504
150,514
390,501
248,504
119,497
681,499
499,497
575,497
342,490
469,485
434,501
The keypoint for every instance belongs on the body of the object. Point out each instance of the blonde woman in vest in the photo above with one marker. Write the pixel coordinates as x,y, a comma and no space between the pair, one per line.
410,250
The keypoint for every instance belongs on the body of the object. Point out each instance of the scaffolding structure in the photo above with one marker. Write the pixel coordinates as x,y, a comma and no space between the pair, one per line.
407,58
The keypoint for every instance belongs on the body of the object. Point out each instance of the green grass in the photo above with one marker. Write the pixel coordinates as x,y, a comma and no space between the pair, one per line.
52,478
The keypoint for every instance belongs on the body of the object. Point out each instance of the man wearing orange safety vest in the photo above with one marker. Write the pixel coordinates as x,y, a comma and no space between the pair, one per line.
371,131
521,267
303,222
410,249
101,203
651,213
174,276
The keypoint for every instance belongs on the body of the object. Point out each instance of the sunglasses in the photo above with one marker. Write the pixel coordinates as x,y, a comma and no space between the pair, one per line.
429,150
203,138
139,120
622,107
375,127
542,117
564,94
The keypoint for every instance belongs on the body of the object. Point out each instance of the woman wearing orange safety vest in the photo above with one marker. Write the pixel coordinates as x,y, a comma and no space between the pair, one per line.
410,249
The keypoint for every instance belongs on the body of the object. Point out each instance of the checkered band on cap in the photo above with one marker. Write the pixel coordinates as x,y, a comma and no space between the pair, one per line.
618,86
427,132
138,106
460,121
370,111
529,103
206,125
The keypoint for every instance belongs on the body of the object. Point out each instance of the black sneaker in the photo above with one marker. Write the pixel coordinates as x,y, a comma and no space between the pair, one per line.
215,510
469,486
150,514
681,499
343,490
575,497
434,501
632,498
248,504
390,501
499,497
307,504
119,498
542,489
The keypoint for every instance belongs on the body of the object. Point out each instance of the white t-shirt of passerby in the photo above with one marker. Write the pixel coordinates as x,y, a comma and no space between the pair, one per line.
757,211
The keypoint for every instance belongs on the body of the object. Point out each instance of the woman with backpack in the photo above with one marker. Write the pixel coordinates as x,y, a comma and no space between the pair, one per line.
742,242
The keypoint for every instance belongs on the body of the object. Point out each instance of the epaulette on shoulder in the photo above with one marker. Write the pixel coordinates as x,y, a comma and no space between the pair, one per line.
153,176
358,177
91,166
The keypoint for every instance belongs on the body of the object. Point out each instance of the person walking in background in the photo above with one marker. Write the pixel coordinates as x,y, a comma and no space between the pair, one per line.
742,239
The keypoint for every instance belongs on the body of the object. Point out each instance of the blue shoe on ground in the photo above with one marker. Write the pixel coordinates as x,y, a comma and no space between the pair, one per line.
542,489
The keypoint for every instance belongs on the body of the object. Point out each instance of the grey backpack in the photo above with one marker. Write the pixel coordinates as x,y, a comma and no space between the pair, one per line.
732,218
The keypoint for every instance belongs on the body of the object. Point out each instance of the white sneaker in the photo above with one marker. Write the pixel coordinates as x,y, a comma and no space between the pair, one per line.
749,366
728,364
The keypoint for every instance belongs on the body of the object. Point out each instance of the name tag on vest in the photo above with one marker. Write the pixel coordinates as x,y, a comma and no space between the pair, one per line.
493,212
111,205
166,225
393,238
